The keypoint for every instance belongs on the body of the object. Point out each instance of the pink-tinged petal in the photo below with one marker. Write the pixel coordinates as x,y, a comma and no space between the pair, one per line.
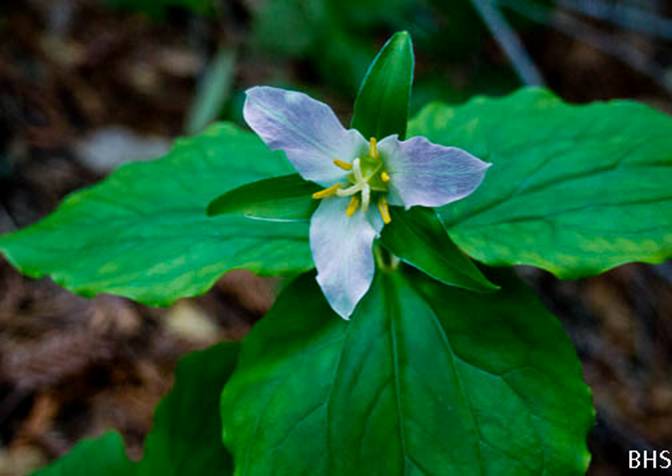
307,131
427,174
342,249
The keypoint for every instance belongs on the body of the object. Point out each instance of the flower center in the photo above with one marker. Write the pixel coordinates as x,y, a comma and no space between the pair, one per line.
367,177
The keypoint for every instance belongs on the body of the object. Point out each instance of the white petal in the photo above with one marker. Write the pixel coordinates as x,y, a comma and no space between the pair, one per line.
427,174
343,254
307,130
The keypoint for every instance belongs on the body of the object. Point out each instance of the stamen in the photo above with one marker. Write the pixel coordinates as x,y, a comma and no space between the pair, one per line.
342,165
384,210
373,148
384,176
352,206
366,197
327,192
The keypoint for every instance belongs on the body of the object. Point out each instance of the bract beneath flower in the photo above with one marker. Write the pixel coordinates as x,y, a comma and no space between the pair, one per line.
361,179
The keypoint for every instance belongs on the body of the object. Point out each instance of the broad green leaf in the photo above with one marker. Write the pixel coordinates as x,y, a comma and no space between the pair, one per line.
102,456
286,198
381,107
212,92
185,439
575,190
143,233
425,379
417,237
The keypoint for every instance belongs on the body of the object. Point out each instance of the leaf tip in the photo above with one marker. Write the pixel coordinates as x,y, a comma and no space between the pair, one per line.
401,41
217,206
403,34
212,209
489,287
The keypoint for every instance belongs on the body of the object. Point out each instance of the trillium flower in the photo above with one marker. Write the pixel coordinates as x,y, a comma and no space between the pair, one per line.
361,179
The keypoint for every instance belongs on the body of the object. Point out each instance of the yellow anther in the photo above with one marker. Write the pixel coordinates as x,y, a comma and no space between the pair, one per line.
352,206
327,192
373,148
342,165
384,176
384,210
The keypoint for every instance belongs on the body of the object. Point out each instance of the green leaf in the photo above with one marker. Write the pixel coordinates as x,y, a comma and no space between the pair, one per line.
575,190
425,379
212,92
417,237
106,453
286,198
186,436
381,107
143,233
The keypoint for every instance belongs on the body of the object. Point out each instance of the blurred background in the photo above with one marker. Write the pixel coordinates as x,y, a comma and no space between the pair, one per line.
86,85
